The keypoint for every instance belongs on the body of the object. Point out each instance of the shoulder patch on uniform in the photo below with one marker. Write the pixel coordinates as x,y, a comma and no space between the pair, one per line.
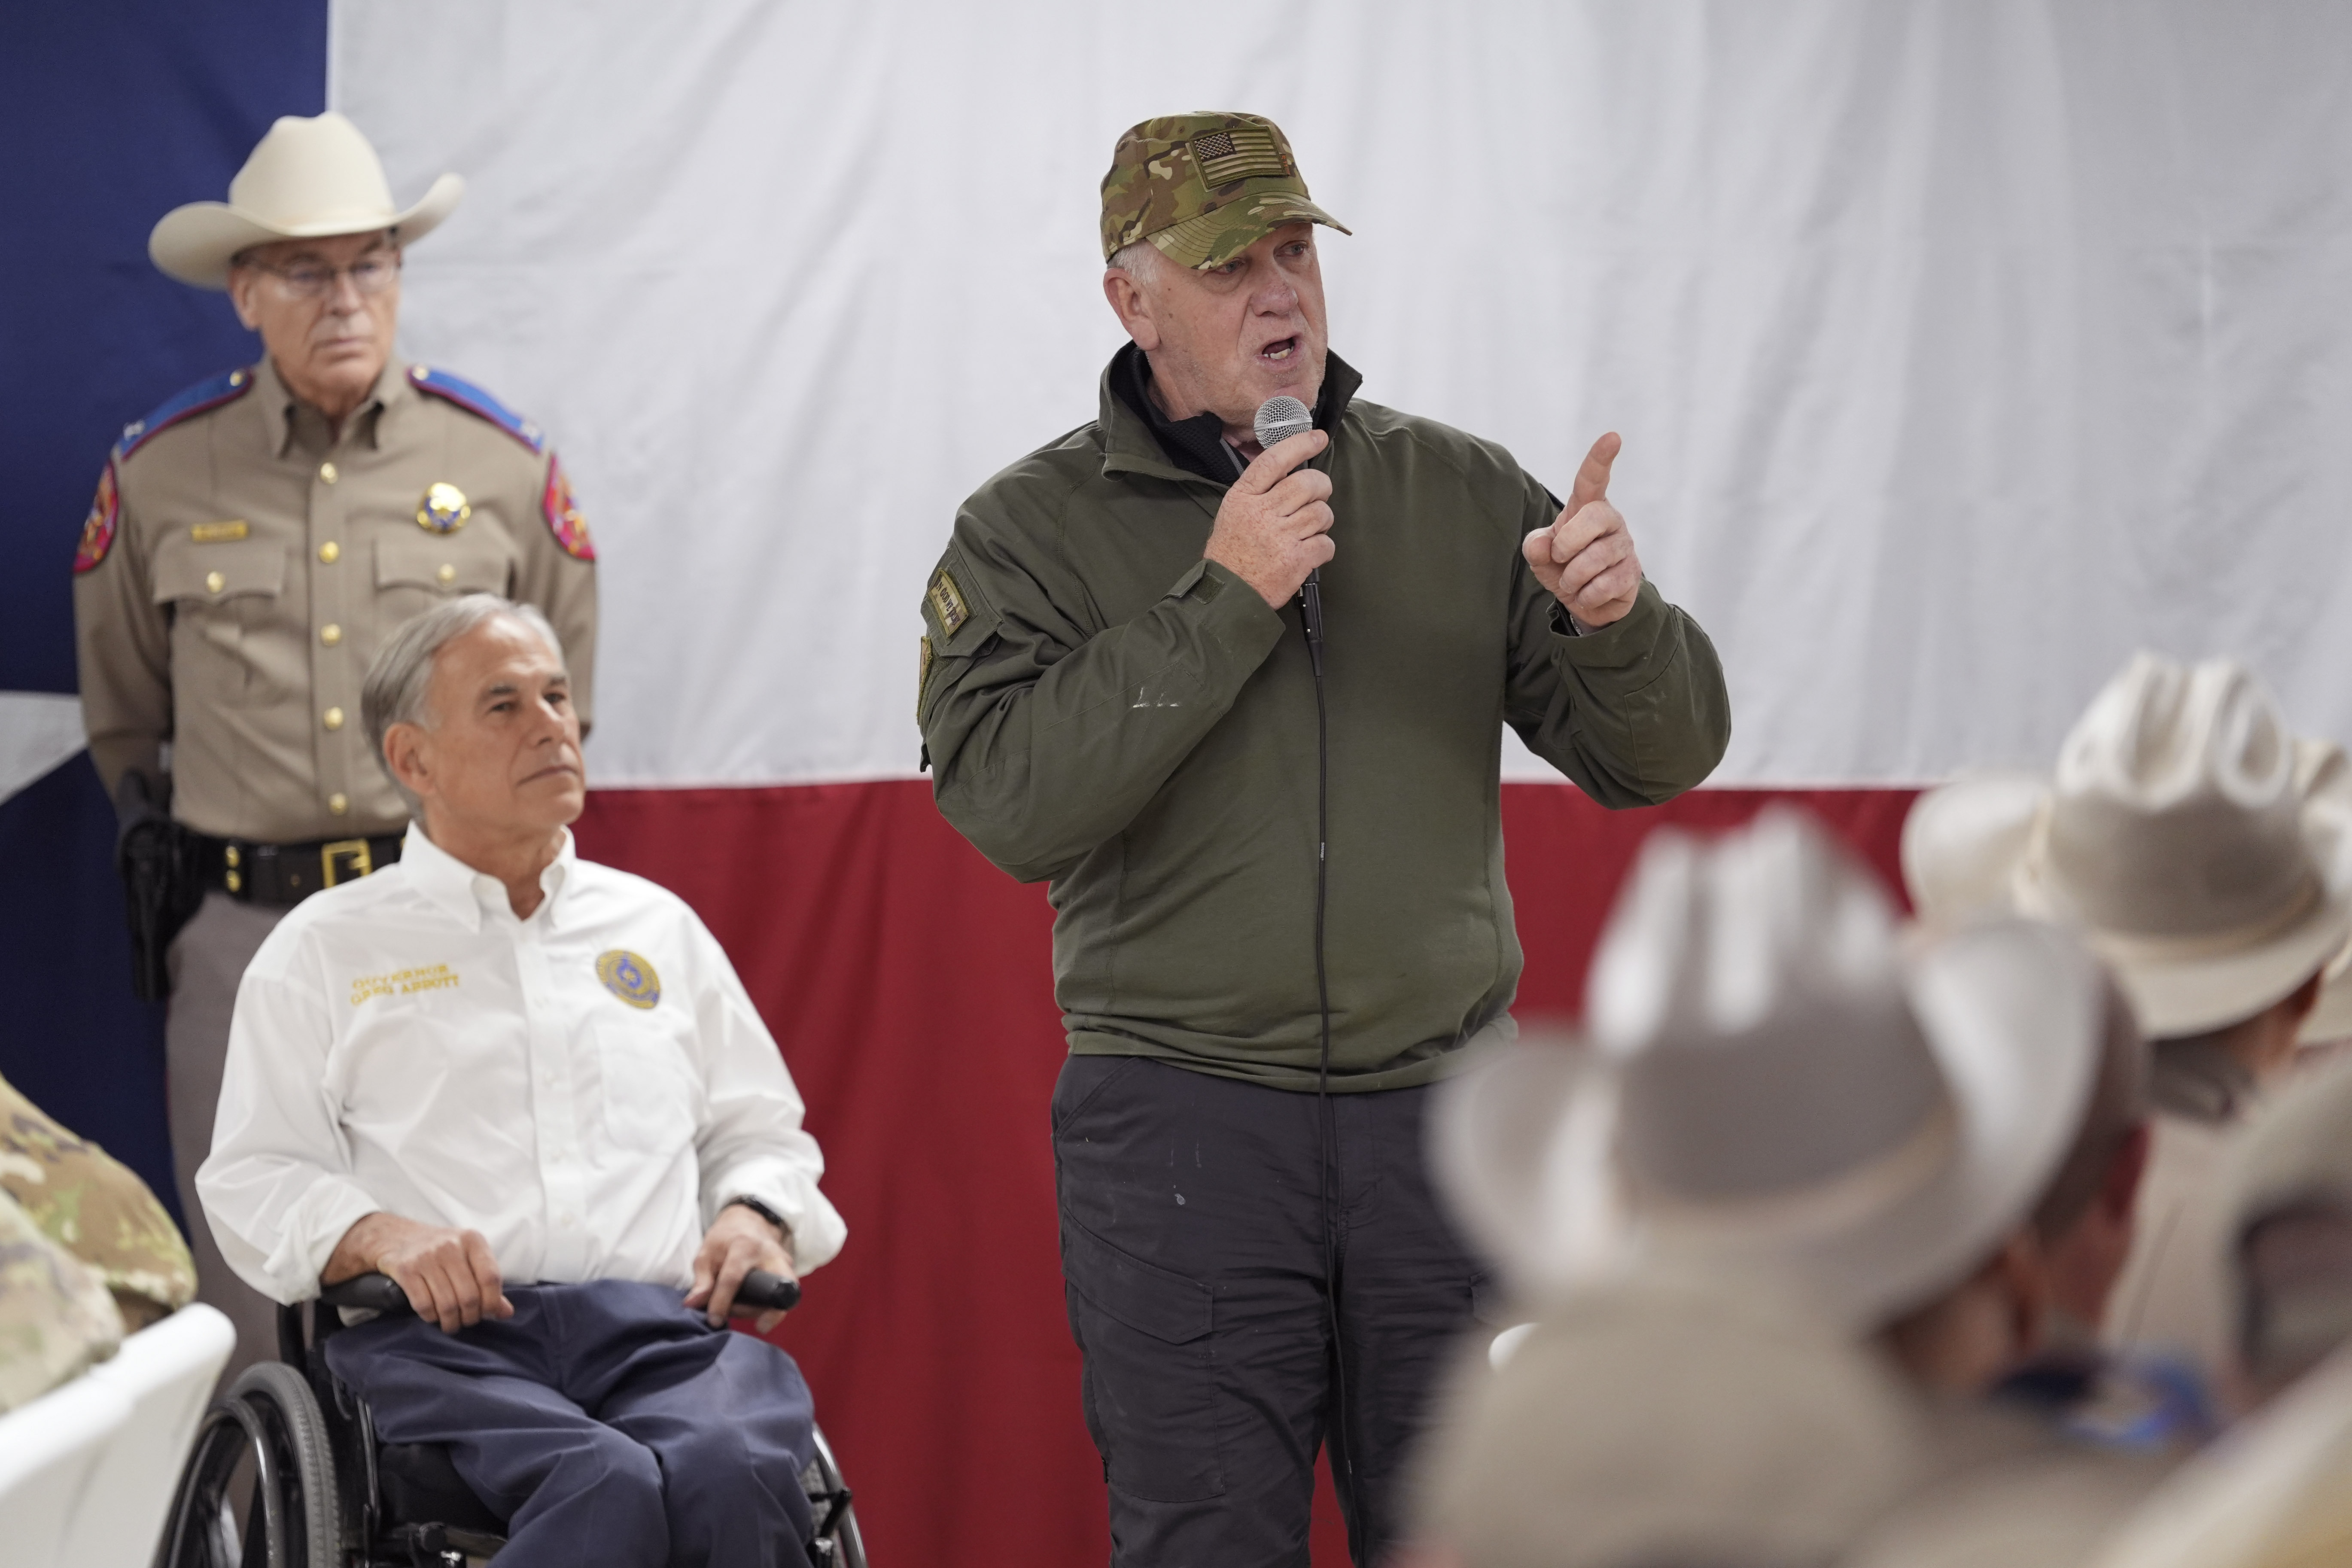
562,514
477,402
205,394
98,528
947,602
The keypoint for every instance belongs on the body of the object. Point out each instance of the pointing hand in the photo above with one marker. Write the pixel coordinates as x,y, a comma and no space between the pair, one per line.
1586,557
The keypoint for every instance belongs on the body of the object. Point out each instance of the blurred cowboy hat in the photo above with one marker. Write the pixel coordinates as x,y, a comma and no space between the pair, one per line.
2173,835
2323,781
1962,844
307,179
1778,1086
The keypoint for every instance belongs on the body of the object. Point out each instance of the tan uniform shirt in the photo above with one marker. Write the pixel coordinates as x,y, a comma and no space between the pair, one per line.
2172,1297
242,565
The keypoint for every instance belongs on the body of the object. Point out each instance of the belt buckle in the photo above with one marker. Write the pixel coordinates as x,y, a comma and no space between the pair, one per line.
354,850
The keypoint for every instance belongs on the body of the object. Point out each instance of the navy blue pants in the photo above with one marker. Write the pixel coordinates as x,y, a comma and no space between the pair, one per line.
609,1424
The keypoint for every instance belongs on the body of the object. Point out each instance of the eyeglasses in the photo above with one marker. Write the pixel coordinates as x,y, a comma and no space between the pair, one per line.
371,274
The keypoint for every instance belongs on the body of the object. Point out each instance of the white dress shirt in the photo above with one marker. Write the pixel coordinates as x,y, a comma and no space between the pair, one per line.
586,1087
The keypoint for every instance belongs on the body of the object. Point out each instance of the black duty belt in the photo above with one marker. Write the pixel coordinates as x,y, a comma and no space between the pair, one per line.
286,874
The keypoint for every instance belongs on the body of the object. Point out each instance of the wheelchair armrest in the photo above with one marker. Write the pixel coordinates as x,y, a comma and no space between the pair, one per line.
379,1293
367,1292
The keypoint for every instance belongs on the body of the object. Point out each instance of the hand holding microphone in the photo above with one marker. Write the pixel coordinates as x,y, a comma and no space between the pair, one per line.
1274,525
1586,557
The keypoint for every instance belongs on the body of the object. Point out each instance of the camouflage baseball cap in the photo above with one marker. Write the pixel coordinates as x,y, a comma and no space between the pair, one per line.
1203,187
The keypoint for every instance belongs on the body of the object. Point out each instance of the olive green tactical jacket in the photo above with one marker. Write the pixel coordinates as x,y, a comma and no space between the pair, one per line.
1105,710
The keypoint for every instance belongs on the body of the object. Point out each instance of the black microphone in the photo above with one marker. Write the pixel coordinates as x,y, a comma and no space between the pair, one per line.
1278,419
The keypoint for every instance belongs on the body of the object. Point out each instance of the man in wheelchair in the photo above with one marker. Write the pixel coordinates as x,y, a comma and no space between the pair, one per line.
532,1091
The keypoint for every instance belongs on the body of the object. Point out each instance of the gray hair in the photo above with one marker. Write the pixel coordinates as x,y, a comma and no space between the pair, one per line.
402,674
1140,259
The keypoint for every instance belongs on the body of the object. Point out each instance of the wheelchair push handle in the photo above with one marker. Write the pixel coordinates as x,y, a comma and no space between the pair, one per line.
760,1290
368,1293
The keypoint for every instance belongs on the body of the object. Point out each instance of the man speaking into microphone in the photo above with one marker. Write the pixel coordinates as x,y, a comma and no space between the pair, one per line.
1272,836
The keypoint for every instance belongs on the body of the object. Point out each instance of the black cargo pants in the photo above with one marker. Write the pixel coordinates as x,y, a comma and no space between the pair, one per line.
1195,1270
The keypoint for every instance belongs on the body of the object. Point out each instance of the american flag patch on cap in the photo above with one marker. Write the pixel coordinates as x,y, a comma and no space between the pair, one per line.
1238,153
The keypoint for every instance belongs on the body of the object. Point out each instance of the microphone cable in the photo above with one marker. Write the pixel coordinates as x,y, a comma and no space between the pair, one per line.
1278,419
1311,622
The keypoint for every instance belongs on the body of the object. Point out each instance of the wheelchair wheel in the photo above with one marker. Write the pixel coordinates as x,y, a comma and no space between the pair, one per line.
838,1544
201,1530
294,1521
288,1424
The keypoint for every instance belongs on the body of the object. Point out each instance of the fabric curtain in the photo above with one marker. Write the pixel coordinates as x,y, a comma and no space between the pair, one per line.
1959,349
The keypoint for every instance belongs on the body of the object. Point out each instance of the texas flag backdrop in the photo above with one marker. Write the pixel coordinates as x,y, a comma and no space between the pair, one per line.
1959,350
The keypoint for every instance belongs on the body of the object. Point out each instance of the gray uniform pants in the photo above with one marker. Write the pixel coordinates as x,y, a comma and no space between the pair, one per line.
207,959
1201,1293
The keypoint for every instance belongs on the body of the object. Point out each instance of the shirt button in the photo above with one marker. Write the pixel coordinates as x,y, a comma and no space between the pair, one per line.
329,552
333,718
215,581
330,634
327,472
339,802
447,574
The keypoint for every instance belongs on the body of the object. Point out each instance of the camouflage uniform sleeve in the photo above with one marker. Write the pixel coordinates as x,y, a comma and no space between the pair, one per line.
559,576
122,642
96,1208
55,1319
1637,712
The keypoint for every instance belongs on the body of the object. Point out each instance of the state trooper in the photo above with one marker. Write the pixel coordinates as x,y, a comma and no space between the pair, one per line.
254,539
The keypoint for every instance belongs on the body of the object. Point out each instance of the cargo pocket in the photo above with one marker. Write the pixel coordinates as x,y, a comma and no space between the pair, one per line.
415,571
224,603
1150,1387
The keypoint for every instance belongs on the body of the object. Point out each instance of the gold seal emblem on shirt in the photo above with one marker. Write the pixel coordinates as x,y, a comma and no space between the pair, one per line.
629,977
443,510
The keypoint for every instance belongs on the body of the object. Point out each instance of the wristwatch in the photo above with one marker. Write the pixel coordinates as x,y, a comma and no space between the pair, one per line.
763,1211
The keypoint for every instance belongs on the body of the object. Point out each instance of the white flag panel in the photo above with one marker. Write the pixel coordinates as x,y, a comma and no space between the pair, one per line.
1959,349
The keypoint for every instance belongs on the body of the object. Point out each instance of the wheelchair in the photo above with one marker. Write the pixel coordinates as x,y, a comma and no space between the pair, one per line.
325,1493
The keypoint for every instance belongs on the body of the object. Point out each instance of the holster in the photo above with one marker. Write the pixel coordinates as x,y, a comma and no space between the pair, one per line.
162,884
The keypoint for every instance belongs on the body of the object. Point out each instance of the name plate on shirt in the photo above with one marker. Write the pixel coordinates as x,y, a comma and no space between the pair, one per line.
404,982
219,532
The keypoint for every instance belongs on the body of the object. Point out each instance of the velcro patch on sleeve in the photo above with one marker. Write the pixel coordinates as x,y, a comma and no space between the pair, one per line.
98,528
947,603
562,514
956,610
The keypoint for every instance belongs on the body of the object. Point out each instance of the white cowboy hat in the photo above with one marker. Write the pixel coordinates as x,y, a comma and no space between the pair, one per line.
1776,1085
2172,834
307,179
2323,781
